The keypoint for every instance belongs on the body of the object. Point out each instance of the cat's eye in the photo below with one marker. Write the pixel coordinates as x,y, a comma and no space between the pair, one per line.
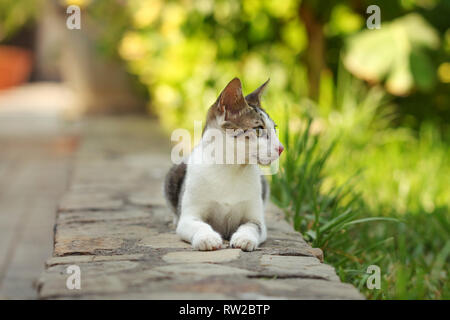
259,131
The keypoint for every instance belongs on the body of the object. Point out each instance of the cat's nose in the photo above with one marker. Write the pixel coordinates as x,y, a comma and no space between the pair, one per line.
280,149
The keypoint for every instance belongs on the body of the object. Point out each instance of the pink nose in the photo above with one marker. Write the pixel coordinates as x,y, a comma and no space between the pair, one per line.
280,149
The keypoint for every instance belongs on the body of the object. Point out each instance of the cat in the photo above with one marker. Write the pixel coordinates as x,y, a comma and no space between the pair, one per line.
216,201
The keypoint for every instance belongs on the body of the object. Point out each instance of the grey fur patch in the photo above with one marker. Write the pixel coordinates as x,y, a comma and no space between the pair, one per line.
264,189
173,186
226,225
222,224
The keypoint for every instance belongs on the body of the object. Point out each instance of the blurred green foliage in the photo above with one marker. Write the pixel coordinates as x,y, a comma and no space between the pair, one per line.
185,51
14,15
393,172
403,170
339,197
396,53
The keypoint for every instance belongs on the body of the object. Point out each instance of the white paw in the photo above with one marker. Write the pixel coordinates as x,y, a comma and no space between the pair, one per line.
206,241
246,242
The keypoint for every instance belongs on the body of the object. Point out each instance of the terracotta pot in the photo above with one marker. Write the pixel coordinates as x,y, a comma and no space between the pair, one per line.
15,66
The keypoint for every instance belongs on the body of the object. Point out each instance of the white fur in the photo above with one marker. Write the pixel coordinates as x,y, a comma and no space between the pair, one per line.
226,197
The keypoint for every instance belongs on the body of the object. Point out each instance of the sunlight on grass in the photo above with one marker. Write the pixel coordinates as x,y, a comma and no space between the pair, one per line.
369,193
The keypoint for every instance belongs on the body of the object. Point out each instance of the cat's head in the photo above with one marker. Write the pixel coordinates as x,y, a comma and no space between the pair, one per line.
246,122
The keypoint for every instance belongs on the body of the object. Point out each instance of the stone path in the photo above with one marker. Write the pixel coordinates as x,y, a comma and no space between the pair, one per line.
114,225
35,158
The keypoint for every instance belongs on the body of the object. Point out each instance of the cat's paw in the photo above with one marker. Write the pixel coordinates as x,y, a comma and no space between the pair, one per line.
207,241
246,242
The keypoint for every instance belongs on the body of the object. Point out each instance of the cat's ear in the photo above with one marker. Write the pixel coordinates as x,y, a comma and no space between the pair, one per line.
254,98
231,100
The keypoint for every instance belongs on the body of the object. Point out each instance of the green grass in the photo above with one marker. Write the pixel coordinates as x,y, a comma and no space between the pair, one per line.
368,191
355,229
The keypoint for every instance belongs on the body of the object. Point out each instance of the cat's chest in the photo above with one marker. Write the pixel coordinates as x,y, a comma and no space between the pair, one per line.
224,186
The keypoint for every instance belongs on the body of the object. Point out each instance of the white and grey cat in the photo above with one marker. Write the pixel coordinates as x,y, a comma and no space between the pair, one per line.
213,201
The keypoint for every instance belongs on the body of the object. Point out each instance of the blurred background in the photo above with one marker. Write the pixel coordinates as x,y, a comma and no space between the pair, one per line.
379,96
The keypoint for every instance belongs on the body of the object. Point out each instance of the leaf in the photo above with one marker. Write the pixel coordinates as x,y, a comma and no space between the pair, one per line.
371,219
394,54
422,70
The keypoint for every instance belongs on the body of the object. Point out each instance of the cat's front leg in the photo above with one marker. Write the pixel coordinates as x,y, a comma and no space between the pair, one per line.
197,232
252,233
248,236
